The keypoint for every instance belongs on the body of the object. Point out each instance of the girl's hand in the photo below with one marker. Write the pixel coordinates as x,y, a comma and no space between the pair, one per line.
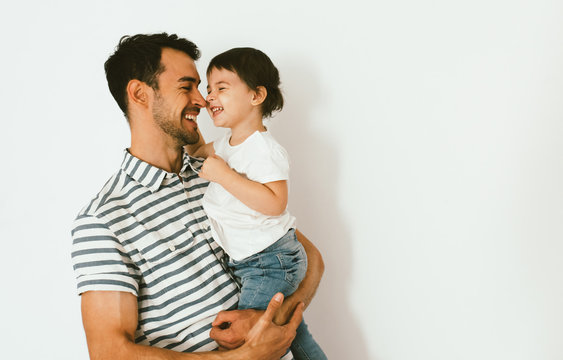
215,169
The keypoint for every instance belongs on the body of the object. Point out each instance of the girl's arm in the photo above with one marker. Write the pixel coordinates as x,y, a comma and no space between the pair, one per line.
269,198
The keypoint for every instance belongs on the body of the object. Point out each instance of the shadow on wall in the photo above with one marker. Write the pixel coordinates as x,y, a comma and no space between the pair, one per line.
314,201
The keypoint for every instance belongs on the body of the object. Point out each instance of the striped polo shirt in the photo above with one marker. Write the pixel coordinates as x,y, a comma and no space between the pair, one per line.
146,233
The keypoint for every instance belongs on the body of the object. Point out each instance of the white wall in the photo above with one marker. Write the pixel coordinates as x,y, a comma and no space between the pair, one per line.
427,143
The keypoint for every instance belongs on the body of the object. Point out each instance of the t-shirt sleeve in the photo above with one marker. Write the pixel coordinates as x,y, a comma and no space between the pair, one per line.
271,164
99,260
220,143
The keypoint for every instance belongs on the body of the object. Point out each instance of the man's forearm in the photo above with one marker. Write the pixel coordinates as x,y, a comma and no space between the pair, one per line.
134,351
308,286
260,349
110,320
265,341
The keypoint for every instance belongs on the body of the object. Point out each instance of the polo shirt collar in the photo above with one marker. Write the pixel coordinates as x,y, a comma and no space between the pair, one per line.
191,163
144,173
150,176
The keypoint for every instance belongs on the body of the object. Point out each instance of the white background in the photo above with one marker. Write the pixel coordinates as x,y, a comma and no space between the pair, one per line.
426,140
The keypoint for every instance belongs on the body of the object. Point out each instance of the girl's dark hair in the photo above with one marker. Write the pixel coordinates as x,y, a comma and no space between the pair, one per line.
256,69
138,57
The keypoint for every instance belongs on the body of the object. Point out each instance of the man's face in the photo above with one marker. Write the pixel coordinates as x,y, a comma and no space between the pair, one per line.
177,101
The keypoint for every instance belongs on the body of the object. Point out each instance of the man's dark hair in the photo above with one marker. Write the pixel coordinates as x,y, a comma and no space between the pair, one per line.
256,69
138,57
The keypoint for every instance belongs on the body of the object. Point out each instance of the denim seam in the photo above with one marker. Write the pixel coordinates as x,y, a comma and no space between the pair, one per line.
302,351
262,278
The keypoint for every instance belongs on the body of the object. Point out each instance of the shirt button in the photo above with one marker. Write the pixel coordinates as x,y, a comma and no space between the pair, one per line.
171,247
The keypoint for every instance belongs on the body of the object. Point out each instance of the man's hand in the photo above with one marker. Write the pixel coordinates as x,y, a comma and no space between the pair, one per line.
230,328
266,340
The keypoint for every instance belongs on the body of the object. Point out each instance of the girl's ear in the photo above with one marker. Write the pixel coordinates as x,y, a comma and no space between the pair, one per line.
137,93
259,95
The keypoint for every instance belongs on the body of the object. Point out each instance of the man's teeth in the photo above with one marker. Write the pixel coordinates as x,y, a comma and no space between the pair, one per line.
190,117
215,109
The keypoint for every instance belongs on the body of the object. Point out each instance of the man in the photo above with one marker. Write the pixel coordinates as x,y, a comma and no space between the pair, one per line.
150,275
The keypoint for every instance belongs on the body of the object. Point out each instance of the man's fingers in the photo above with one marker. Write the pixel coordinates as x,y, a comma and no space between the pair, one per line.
297,316
224,317
224,337
273,306
222,334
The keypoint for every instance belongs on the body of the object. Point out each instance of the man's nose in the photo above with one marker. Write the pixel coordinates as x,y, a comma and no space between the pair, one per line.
199,101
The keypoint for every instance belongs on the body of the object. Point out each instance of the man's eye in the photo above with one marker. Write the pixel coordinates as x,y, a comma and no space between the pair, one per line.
187,88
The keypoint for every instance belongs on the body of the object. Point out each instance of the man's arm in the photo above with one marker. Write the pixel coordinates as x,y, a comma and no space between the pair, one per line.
110,321
241,321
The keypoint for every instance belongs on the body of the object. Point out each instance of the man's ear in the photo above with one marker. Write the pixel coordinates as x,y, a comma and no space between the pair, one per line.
137,93
259,95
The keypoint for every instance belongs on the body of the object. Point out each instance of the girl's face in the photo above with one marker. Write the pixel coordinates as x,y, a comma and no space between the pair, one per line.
229,99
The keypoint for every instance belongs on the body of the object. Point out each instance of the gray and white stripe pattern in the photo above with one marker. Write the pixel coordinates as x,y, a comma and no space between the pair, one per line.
146,233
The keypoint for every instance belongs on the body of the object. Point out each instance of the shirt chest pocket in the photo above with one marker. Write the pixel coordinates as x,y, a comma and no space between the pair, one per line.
160,247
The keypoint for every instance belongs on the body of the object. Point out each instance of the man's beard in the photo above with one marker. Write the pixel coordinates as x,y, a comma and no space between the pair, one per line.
165,121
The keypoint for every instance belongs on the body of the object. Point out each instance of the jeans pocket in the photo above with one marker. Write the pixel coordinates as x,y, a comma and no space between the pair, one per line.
294,264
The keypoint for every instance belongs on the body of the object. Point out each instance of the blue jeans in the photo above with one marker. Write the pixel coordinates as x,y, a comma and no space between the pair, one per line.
278,268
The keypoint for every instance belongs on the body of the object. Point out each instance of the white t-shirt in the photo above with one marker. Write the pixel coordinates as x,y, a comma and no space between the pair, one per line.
240,230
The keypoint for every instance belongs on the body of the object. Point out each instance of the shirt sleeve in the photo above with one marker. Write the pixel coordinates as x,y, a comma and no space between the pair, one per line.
220,143
270,164
99,260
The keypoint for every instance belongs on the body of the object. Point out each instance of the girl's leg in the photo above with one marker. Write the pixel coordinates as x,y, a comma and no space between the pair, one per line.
304,347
